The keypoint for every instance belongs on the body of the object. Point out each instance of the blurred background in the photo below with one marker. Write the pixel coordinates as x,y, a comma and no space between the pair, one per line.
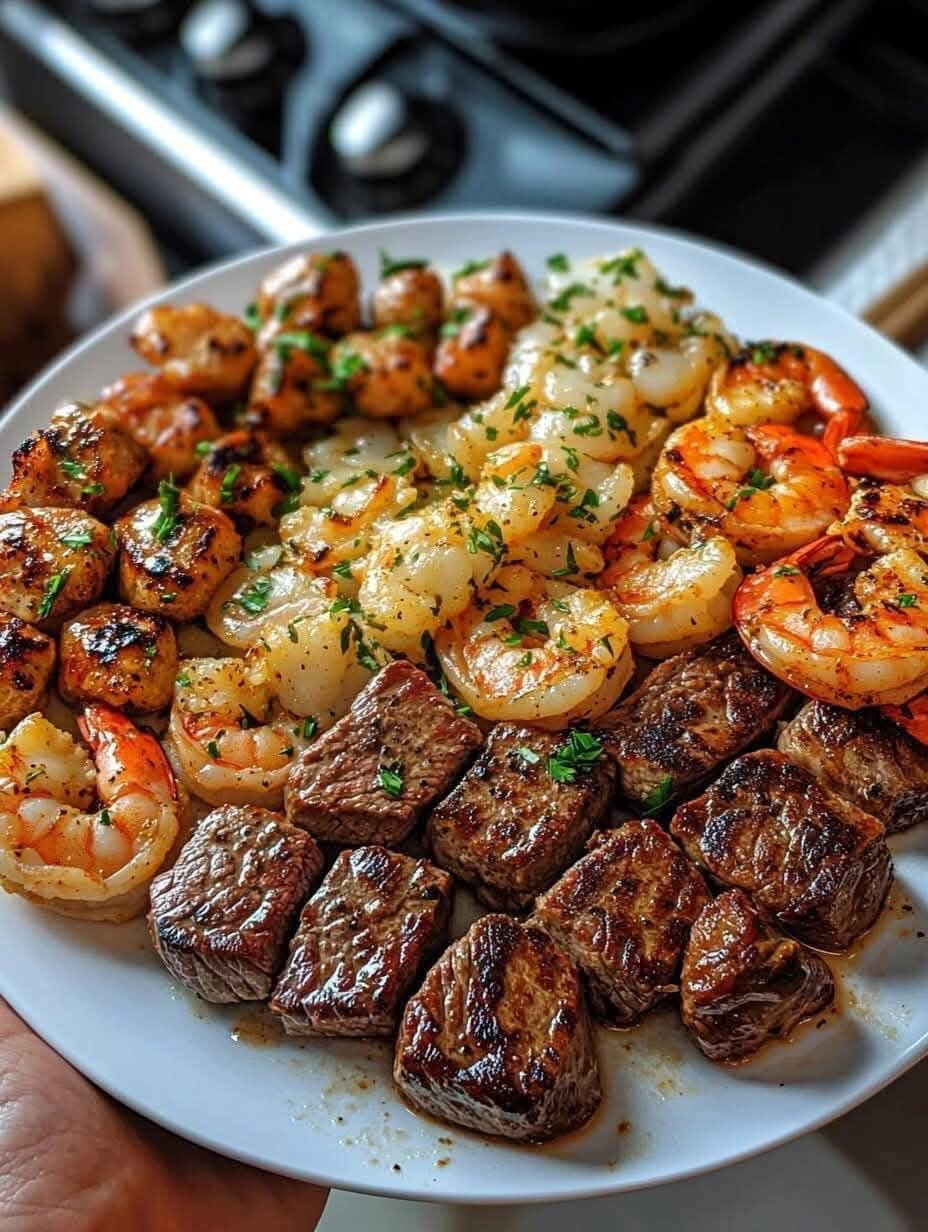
796,130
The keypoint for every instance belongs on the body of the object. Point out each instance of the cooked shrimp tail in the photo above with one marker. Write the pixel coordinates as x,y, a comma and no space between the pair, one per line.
884,457
126,757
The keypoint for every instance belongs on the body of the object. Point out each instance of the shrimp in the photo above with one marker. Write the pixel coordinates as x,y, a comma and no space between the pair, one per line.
56,848
232,742
768,489
536,650
872,651
887,458
252,599
885,515
671,601
776,382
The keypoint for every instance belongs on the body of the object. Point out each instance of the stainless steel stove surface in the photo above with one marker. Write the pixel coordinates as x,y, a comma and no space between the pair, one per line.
773,125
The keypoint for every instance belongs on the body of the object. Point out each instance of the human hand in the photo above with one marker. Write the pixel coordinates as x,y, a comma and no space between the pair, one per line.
73,1160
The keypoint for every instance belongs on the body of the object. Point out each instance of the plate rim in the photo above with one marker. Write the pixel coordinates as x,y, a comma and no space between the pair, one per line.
612,1183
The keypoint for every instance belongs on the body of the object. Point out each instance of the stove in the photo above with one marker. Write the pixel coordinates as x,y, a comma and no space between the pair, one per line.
776,126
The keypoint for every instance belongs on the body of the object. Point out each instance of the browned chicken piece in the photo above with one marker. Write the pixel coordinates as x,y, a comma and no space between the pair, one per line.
168,424
501,286
172,562
319,291
472,352
197,349
744,983
387,375
693,713
84,459
863,757
623,913
361,942
509,829
221,917
52,562
809,859
370,778
118,655
27,661
289,390
411,297
248,475
498,1037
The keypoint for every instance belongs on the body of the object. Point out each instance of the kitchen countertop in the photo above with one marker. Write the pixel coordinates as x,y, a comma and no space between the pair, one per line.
866,1171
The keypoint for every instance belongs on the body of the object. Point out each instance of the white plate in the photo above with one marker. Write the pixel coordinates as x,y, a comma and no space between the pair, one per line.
327,1111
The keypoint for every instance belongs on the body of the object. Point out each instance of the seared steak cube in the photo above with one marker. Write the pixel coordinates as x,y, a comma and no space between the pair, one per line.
222,916
361,941
744,983
809,859
513,824
369,778
863,757
497,1038
690,715
623,913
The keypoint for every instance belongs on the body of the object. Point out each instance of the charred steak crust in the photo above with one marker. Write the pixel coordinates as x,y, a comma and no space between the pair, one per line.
691,714
744,982
221,917
498,1039
863,757
361,941
400,723
809,859
623,913
508,828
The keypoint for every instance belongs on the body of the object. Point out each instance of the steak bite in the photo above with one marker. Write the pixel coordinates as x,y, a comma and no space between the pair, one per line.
369,778
360,943
744,983
863,757
515,822
221,917
808,858
623,913
498,1039
690,715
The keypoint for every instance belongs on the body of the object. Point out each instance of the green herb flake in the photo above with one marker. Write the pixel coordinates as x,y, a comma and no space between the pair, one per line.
252,317
80,539
390,779
786,571
637,314
310,727
212,748
301,340
571,565
53,588
655,800
255,599
558,263
907,600
202,448
517,395
104,817
501,612
586,337
468,268
577,755
169,500
342,569
227,486
183,680
528,755
395,265
562,302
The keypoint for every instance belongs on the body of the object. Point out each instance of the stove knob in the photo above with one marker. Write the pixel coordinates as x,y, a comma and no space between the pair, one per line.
138,19
375,135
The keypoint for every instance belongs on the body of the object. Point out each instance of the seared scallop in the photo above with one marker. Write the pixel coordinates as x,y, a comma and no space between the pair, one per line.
84,458
198,350
411,297
290,390
27,660
499,285
52,563
316,290
120,656
387,374
248,475
472,353
170,425
173,554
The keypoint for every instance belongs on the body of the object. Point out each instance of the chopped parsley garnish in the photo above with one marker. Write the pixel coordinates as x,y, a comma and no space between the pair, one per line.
452,327
531,628
658,796
570,567
665,288
570,457
246,719
528,755
762,352
586,336
469,267
625,266
526,660
785,571
183,680
104,818
480,541
288,476
558,263
390,779
255,598
318,475
346,366
212,748
169,499
344,604
757,481
53,588
252,317
202,448
517,395
151,653
501,612
563,360
579,752
650,532
590,426
301,340
637,314
395,265
310,727
618,423
588,501
907,600
34,774
227,486
616,347
80,539
561,302
342,569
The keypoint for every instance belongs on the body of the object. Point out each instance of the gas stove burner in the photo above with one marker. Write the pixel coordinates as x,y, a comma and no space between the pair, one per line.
581,28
